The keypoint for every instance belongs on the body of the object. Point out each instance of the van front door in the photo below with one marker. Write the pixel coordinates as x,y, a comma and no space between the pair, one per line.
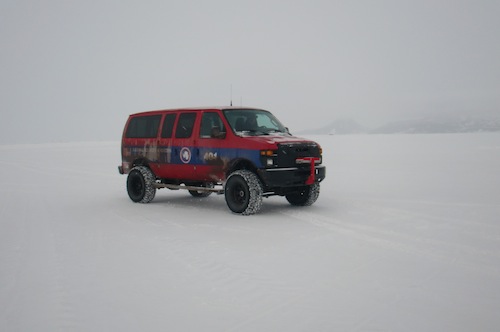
210,148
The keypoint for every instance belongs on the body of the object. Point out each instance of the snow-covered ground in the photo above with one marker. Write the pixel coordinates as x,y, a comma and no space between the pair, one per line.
405,236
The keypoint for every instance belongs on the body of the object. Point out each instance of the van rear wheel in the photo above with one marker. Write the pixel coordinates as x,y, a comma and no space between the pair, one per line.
243,192
141,184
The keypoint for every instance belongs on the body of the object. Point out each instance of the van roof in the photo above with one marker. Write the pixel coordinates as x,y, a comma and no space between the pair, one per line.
197,109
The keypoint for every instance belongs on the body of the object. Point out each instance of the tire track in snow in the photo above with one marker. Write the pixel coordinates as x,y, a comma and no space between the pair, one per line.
60,290
233,284
414,244
473,230
36,283
223,285
12,254
254,294
376,205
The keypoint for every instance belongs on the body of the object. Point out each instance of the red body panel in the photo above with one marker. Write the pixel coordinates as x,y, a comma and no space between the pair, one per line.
196,158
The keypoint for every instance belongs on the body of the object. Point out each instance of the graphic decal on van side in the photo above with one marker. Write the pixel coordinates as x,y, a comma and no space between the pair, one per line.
185,155
190,155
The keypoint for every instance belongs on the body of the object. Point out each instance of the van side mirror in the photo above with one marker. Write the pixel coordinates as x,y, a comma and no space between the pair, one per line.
217,133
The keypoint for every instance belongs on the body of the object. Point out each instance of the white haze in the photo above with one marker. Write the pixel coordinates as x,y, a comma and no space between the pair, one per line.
73,71
404,237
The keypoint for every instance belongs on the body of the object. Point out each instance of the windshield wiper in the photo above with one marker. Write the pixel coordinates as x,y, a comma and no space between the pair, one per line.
254,132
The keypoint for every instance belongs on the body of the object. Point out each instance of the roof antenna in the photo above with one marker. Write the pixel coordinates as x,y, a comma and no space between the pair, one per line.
231,96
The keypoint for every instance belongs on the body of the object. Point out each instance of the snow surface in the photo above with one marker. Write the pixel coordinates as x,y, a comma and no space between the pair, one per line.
405,236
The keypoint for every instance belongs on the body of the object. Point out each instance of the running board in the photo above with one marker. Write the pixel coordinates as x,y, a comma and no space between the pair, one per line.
218,191
194,188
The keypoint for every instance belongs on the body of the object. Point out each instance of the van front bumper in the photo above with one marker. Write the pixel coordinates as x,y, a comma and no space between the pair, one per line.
290,176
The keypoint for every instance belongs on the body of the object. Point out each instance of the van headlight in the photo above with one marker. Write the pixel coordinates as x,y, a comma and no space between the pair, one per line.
268,157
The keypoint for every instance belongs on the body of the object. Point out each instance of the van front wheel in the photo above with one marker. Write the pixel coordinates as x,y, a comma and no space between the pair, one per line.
305,196
243,192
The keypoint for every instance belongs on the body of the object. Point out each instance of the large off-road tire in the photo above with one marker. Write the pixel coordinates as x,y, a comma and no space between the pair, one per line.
202,193
141,184
305,197
243,191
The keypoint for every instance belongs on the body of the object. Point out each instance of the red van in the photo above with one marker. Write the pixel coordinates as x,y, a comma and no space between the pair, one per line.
243,153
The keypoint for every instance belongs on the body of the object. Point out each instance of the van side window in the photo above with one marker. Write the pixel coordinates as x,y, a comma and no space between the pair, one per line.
168,126
143,126
211,121
185,125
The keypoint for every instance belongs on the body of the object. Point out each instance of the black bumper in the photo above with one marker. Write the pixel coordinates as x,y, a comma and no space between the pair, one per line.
290,176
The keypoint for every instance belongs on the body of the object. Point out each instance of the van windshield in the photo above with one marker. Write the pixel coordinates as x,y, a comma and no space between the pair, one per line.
253,122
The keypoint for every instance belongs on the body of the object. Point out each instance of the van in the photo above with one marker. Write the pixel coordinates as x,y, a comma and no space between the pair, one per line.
244,153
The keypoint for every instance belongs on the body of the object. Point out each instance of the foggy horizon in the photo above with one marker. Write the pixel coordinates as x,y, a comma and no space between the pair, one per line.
75,71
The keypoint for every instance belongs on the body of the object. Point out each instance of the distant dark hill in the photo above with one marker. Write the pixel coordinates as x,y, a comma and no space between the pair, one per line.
442,124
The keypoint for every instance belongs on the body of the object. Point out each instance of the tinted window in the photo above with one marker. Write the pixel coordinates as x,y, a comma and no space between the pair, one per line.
185,125
209,122
143,127
168,126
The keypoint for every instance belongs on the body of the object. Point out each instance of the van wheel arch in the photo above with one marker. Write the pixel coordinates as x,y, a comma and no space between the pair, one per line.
240,164
141,162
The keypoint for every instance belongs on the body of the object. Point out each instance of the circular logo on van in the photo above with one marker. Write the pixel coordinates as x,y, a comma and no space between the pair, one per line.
185,155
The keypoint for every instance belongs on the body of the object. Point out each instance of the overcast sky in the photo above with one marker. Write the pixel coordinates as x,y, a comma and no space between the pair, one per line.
74,70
